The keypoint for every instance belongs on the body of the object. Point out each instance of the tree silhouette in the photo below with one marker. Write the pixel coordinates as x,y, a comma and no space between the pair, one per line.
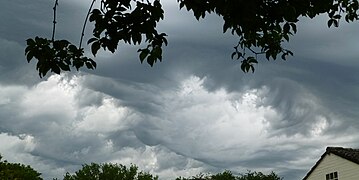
227,175
109,171
13,171
262,27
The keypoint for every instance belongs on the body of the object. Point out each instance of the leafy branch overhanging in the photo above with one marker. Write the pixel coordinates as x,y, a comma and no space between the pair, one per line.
262,27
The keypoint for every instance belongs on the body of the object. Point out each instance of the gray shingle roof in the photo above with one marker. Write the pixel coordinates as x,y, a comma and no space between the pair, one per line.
346,153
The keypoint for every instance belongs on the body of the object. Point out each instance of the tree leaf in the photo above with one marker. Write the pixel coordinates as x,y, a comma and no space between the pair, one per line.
233,54
294,27
29,56
151,60
55,69
286,28
92,40
64,67
330,22
30,42
144,53
95,47
89,65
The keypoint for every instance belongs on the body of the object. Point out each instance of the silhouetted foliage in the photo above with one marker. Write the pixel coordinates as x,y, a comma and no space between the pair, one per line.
109,171
117,171
259,176
227,175
261,26
12,171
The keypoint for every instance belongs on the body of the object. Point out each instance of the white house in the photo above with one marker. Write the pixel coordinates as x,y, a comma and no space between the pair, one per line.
337,163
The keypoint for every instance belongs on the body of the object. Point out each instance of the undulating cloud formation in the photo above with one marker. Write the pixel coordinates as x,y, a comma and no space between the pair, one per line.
194,112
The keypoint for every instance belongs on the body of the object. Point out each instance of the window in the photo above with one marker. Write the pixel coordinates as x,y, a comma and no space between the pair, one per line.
332,176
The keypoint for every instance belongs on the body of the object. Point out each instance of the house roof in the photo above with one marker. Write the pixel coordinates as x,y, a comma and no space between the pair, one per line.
346,153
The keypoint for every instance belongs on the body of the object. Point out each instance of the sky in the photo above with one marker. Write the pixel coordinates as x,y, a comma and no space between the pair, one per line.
194,112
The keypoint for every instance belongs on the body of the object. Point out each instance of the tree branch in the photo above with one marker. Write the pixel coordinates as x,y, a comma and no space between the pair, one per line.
255,52
54,21
83,28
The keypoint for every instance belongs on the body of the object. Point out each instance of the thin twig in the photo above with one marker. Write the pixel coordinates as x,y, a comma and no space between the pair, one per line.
255,52
54,21
83,28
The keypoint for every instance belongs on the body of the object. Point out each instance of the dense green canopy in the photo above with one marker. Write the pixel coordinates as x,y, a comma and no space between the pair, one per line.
12,171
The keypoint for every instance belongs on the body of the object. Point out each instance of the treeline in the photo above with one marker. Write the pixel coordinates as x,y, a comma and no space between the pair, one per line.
110,171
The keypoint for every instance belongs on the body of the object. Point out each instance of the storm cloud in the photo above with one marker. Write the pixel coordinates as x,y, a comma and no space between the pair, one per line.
194,112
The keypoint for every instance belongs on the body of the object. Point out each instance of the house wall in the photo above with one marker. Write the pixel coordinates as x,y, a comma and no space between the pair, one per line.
347,170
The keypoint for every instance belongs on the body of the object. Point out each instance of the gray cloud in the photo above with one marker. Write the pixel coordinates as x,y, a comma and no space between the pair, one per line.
194,112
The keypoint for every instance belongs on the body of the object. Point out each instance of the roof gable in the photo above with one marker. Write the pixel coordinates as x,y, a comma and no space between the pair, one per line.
346,153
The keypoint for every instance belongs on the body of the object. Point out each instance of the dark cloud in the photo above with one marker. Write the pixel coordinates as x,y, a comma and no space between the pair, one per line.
23,20
194,112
